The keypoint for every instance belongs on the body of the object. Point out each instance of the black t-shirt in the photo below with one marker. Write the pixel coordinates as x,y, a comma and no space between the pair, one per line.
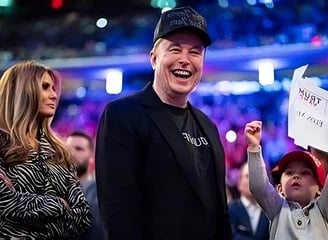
202,159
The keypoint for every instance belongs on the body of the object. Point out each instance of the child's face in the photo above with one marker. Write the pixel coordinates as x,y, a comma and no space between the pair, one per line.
298,183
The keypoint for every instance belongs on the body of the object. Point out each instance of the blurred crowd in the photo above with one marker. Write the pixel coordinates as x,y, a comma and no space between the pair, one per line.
75,34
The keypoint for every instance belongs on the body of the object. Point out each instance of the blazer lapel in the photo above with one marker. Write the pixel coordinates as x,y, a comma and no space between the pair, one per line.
244,218
167,127
263,225
158,113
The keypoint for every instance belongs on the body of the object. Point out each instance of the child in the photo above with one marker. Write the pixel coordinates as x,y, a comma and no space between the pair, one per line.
297,208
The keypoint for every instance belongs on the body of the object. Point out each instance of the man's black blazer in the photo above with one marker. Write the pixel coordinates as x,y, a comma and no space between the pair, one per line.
147,186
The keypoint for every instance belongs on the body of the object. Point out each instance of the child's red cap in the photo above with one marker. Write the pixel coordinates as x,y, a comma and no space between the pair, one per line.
317,167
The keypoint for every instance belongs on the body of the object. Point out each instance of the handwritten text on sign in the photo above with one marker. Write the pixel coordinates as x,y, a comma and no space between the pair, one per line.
308,112
313,119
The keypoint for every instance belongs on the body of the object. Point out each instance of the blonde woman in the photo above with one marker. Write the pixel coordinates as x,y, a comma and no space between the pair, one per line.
40,196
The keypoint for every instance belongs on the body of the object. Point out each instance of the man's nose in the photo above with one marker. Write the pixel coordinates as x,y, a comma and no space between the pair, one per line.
184,57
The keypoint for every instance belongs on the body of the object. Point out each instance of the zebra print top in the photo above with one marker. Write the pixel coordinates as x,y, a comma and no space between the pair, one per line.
34,209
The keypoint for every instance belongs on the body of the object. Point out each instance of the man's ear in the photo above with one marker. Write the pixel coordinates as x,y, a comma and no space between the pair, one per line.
152,60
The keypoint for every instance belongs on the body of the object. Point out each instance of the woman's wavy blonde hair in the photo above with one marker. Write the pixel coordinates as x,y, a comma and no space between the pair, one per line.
20,96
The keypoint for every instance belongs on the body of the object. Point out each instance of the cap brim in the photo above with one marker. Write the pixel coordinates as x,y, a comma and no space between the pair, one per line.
206,39
289,157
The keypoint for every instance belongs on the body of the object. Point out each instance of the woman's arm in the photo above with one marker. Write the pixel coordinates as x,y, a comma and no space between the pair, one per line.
23,206
78,217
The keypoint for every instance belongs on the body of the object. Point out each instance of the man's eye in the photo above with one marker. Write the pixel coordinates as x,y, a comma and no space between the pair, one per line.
195,52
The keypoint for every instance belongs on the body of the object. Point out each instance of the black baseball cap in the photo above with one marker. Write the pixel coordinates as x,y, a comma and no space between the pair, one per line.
182,18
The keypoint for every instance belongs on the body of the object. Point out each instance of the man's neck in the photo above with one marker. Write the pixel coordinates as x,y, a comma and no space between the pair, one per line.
180,102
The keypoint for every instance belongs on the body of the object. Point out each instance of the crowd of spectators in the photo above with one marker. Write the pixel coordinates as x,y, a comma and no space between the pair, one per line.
74,34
